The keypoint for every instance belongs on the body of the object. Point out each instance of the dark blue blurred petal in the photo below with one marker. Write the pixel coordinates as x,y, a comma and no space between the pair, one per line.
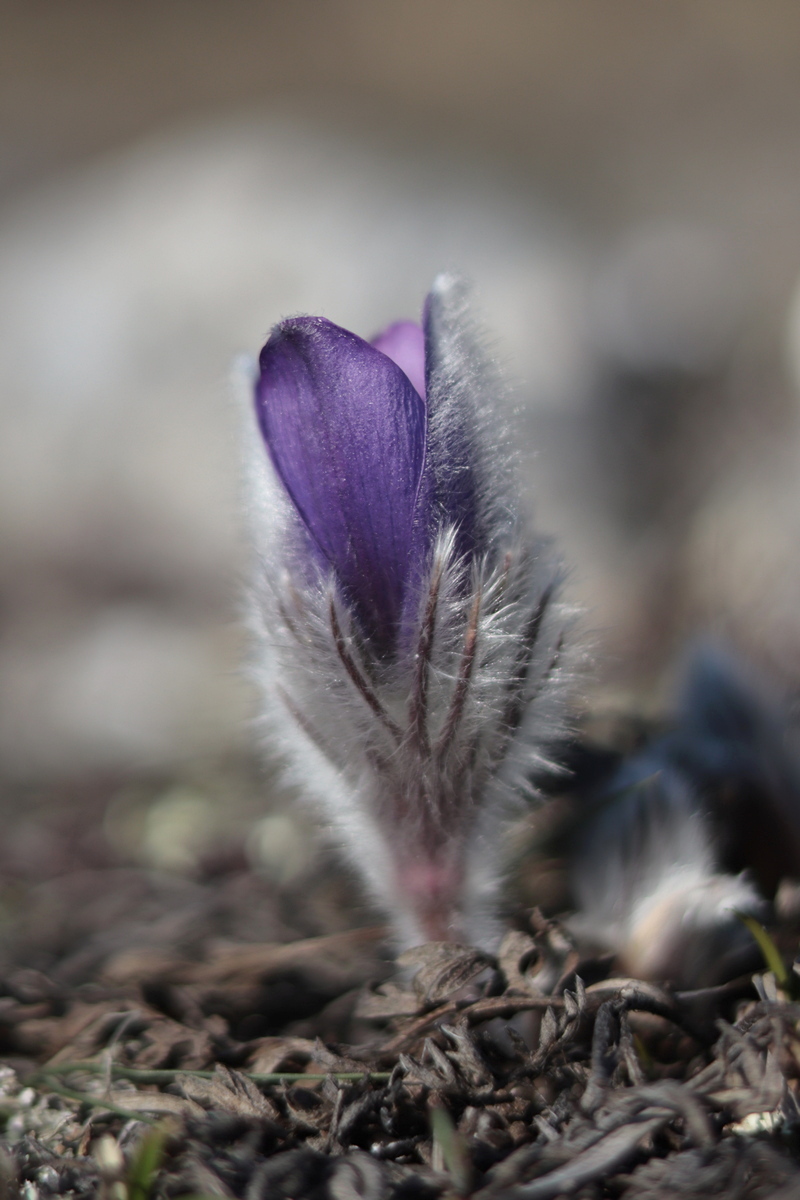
346,431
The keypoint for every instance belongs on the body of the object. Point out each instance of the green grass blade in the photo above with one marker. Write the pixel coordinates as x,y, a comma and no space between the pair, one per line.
772,956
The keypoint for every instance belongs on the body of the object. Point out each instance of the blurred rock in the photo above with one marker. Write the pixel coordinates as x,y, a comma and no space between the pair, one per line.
667,300
742,558
129,687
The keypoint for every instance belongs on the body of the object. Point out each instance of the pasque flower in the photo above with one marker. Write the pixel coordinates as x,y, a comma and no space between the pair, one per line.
409,642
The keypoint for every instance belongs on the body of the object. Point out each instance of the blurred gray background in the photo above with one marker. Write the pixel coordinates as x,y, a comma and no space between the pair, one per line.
620,180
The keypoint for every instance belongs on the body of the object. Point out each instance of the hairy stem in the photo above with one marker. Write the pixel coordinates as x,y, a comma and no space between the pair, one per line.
358,679
418,708
453,719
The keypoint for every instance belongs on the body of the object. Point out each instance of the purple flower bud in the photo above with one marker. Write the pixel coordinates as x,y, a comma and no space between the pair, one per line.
409,646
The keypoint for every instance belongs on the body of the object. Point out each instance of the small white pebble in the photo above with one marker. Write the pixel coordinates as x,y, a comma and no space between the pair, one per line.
8,1080
757,1123
279,847
47,1176
26,1097
15,1127
108,1155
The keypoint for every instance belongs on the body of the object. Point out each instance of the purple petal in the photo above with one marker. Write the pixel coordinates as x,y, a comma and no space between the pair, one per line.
404,344
346,431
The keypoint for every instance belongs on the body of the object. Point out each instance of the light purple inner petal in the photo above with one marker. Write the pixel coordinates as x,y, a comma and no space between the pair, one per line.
346,431
404,343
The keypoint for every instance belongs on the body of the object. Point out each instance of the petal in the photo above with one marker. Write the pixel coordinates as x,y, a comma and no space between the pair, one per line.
346,431
404,344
